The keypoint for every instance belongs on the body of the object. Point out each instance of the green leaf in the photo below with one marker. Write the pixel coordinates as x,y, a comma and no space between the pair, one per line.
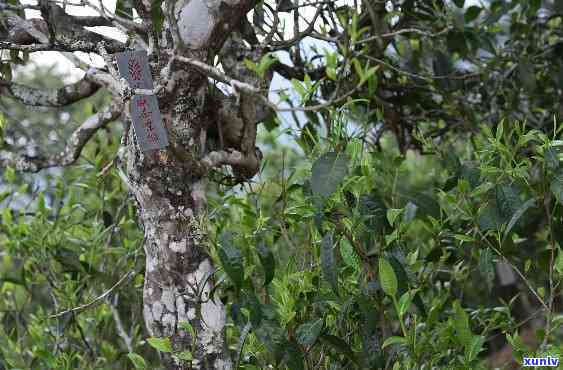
298,87
124,8
327,173
339,345
392,215
490,218
293,356
184,355
10,175
558,265
265,63
507,200
519,213
308,332
459,3
374,212
472,13
187,327
387,277
393,340
349,256
328,262
404,303
160,344
231,259
267,260
556,186
137,361
474,348
461,325
157,16
254,307
551,157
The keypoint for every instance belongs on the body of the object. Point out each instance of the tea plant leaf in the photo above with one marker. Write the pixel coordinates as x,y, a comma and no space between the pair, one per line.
327,173
461,325
137,361
160,344
519,213
267,260
328,262
231,259
308,332
387,277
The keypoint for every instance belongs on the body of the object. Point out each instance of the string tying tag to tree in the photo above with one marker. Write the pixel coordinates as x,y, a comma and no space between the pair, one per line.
133,66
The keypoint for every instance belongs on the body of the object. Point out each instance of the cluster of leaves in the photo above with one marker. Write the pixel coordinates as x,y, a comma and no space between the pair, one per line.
66,238
376,260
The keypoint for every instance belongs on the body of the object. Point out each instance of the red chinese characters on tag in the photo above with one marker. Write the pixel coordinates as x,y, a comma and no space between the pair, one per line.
146,117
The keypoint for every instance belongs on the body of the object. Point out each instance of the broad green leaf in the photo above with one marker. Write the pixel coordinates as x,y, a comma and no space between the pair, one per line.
267,260
160,344
124,8
308,332
507,200
328,262
404,303
459,3
349,256
474,348
265,63
187,327
490,218
157,16
9,175
392,215
519,213
254,307
293,356
373,211
556,186
137,361
472,13
393,340
387,277
231,259
461,325
327,173
551,158
184,355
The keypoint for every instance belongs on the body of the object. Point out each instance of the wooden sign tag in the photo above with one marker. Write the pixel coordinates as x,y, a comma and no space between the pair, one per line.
147,122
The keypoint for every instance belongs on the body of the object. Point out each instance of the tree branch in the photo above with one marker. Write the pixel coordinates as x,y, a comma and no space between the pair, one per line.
84,46
49,97
71,152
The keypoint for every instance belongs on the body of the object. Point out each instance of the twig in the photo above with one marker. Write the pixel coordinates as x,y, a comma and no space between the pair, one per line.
120,329
96,300
400,32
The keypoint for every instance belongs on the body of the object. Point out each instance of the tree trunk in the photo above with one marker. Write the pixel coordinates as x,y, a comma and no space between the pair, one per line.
169,186
170,193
